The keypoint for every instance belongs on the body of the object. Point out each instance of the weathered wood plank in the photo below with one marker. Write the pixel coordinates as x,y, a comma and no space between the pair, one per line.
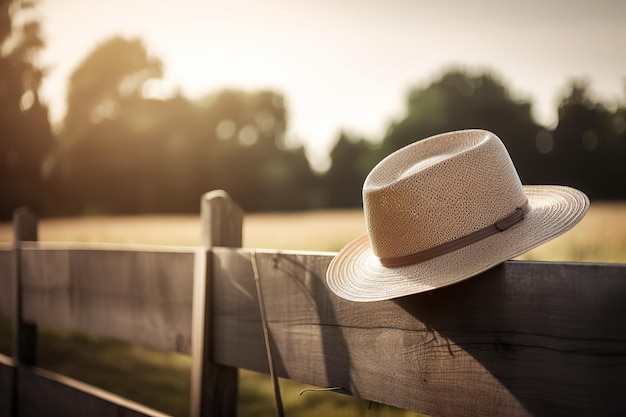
521,339
43,393
7,271
24,332
135,294
213,386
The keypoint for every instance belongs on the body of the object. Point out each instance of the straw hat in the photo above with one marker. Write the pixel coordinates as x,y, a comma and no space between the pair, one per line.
442,210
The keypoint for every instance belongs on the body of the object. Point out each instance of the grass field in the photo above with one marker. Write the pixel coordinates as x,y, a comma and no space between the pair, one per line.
315,230
599,237
161,379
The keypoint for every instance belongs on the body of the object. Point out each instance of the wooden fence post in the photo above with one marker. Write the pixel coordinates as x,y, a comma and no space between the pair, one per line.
24,334
213,387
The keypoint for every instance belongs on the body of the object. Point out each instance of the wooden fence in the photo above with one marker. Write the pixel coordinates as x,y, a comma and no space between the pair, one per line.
525,338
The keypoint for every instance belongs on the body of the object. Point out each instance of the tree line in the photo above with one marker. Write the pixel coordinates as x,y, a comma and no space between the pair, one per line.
586,148
120,151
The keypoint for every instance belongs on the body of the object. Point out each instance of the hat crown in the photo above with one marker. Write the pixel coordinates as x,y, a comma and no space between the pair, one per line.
437,190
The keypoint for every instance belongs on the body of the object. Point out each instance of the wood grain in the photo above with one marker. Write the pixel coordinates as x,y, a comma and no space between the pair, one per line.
521,339
213,386
134,294
24,333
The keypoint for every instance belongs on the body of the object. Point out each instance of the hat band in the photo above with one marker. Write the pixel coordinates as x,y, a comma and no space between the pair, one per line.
421,256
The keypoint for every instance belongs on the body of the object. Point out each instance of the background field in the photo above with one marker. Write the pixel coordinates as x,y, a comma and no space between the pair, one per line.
161,379
599,237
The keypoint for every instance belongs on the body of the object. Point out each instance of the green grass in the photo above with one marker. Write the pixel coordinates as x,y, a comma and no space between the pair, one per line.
256,398
162,379
158,379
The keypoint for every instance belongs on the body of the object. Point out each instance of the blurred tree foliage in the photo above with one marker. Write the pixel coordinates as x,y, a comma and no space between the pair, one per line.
588,145
121,151
25,135
245,136
111,77
457,100
460,100
587,148
352,158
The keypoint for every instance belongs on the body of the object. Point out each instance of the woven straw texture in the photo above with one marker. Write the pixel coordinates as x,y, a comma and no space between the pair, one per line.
437,190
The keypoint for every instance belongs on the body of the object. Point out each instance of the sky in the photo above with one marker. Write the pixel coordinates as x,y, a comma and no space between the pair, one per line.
347,64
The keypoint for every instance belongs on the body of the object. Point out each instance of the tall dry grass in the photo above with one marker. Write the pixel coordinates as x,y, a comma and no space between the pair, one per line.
600,236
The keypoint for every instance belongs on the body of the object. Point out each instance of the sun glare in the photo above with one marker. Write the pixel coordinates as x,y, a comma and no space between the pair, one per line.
340,65
159,89
27,100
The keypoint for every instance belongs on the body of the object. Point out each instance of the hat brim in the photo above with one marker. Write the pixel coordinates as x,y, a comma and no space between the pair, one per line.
356,273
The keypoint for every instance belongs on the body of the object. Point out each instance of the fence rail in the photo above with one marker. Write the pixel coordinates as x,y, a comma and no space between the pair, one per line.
524,338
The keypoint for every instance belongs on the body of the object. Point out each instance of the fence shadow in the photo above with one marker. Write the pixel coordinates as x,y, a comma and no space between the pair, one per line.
505,319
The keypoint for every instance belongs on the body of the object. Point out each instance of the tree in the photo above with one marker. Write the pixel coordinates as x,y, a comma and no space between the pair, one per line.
460,100
249,157
110,77
140,161
589,150
107,142
25,134
351,161
124,153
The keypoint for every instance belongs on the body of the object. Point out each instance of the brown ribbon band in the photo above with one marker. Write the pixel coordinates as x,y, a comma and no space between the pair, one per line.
499,226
